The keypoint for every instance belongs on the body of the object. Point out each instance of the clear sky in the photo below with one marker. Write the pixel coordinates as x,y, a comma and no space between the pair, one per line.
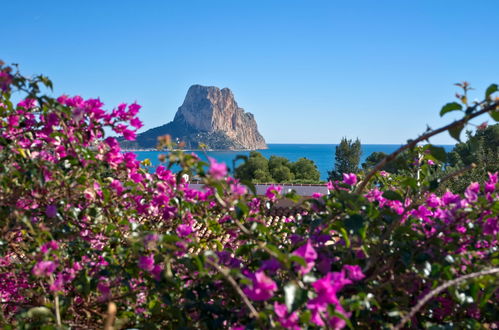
310,71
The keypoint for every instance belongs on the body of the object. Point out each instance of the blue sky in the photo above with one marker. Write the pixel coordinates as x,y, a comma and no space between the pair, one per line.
310,71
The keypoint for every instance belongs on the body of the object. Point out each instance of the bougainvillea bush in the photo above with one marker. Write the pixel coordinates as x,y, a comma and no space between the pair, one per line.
93,238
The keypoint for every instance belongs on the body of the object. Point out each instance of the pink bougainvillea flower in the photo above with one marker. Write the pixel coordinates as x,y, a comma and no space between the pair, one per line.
308,253
263,287
491,226
272,192
217,170
317,195
146,262
471,193
135,122
44,268
133,109
117,186
58,284
52,245
184,230
157,271
51,211
354,273
350,179
238,189
27,103
286,319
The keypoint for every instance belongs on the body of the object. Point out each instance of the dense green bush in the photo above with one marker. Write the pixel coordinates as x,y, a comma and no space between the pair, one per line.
90,239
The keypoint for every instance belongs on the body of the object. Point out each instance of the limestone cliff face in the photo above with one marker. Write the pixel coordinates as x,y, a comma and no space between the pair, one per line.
211,116
210,110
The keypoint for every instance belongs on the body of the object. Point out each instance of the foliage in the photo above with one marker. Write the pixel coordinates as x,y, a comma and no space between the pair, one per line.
481,150
276,169
91,238
347,158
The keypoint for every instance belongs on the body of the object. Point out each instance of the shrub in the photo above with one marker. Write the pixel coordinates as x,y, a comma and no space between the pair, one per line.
90,239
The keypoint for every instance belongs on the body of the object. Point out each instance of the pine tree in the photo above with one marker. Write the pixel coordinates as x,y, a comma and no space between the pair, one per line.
347,158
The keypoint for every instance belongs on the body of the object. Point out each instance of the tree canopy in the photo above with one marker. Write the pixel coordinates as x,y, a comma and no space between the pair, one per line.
347,158
277,169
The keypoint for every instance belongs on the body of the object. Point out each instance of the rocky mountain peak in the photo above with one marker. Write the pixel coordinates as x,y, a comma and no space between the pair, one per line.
211,116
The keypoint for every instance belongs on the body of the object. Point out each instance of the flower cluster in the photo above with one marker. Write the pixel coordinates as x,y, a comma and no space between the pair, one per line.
87,225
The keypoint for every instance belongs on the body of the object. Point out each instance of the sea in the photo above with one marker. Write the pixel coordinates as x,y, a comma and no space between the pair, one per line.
321,154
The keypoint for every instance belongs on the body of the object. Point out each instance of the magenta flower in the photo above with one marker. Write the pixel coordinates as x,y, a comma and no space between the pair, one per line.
117,186
287,320
52,245
135,122
353,272
103,288
237,189
51,211
27,103
317,195
129,135
491,226
5,80
44,268
308,253
263,287
272,192
217,170
471,193
490,185
156,272
58,284
350,179
184,230
147,262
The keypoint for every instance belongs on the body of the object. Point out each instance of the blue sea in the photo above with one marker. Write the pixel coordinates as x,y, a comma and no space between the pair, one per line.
321,154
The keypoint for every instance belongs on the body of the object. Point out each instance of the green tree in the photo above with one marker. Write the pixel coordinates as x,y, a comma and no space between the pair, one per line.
305,170
280,169
256,167
396,165
347,158
481,149
282,174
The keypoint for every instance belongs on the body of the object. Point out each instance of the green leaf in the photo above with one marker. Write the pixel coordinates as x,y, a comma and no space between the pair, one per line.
298,260
439,153
494,114
455,132
490,90
453,106
393,195
410,182
354,223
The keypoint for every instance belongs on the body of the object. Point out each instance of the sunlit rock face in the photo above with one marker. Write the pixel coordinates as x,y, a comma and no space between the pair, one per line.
211,116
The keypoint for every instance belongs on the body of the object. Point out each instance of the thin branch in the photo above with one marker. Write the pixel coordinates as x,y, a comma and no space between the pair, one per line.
413,143
234,284
439,289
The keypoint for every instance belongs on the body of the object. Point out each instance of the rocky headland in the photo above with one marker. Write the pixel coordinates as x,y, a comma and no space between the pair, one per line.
209,116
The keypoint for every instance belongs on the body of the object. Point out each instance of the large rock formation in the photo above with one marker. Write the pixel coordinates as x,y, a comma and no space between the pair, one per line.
211,116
